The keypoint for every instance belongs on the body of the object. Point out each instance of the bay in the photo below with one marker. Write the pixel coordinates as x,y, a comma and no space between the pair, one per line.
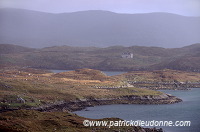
188,110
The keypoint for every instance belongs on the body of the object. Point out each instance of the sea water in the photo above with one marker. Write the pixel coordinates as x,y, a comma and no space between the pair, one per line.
188,110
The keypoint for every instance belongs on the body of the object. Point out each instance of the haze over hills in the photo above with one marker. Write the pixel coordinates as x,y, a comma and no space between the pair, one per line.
108,59
97,28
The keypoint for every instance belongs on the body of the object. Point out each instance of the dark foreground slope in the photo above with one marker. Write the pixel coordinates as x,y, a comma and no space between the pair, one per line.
35,121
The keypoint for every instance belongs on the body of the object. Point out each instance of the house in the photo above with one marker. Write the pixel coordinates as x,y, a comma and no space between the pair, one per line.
127,55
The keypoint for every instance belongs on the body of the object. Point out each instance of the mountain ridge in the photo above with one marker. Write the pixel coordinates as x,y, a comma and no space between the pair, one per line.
97,28
112,12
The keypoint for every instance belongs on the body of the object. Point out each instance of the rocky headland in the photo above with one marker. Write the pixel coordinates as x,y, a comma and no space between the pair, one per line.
82,104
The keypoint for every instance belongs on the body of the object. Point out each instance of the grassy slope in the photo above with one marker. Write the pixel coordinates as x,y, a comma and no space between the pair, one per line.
42,88
165,75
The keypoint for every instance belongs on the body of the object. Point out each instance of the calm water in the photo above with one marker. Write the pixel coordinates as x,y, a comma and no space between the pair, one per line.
58,71
188,110
108,73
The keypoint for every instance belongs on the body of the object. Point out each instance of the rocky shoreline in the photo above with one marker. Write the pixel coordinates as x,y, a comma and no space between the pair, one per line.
81,104
133,99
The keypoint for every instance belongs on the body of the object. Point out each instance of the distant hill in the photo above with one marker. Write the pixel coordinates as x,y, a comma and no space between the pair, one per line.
97,28
67,57
187,58
187,62
165,75
9,49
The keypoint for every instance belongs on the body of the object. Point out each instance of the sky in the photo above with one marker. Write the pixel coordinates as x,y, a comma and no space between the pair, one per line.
181,7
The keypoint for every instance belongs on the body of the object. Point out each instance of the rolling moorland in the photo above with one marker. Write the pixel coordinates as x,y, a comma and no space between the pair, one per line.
32,98
162,79
110,59
39,100
48,98
70,89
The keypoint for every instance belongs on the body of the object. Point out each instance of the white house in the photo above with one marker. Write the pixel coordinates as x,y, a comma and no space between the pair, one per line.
127,55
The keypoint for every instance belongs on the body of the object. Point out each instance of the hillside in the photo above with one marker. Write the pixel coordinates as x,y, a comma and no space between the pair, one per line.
38,88
84,74
48,96
110,58
163,79
187,63
35,121
97,28
165,75
10,49
43,91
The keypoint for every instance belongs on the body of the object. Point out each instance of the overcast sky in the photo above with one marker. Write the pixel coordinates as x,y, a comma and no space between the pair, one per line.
182,7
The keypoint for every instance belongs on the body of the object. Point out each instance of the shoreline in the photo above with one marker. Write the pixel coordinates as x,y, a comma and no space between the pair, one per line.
133,99
81,104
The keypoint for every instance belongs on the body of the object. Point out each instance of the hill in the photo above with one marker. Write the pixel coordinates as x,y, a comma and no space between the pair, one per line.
110,58
163,79
10,49
84,74
22,89
35,121
165,75
97,28
186,58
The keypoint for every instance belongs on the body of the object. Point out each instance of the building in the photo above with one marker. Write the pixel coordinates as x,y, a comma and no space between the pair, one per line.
127,55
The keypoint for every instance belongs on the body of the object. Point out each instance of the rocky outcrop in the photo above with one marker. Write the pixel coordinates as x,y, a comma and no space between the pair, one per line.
132,99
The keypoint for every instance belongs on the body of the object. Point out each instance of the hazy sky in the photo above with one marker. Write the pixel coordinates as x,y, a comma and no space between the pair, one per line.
182,7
